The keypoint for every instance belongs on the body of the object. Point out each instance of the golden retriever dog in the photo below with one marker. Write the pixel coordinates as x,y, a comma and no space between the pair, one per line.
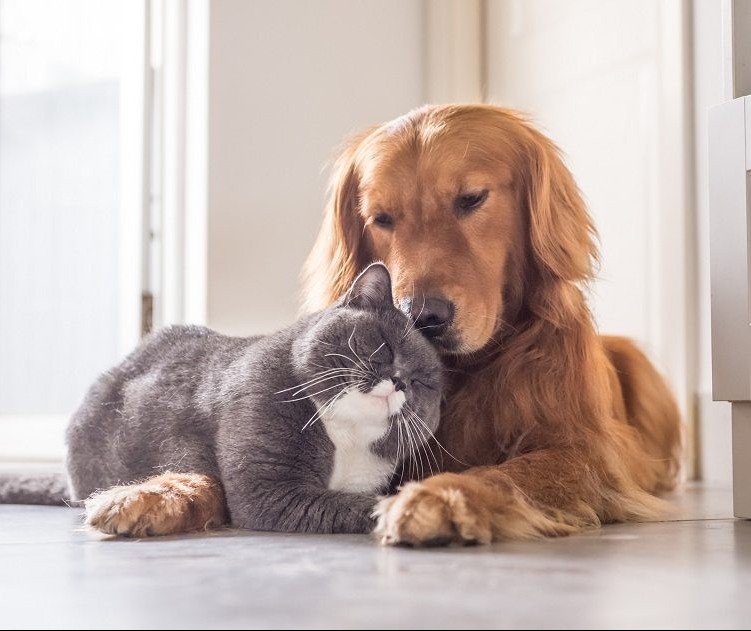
490,247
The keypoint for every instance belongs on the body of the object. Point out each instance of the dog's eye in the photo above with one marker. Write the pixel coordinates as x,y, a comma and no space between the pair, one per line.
384,220
468,202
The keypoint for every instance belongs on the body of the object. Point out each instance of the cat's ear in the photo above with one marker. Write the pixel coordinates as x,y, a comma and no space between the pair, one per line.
371,289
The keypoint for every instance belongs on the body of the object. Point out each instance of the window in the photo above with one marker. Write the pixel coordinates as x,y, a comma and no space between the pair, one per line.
64,67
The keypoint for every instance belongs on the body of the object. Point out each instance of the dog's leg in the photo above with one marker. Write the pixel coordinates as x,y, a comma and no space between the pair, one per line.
545,493
165,504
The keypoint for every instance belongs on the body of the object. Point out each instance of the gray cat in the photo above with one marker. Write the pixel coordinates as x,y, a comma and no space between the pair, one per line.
303,428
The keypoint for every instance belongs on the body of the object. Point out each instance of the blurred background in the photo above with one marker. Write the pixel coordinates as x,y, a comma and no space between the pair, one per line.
164,161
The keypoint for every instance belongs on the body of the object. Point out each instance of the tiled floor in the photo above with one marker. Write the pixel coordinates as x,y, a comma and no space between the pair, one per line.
690,573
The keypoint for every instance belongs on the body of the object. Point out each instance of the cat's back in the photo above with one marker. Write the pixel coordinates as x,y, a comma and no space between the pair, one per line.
169,364
265,365
184,344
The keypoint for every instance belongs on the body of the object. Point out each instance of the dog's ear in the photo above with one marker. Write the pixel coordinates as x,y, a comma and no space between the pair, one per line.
339,252
562,235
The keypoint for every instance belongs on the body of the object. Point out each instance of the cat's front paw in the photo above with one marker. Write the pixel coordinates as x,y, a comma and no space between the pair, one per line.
163,505
428,515
125,510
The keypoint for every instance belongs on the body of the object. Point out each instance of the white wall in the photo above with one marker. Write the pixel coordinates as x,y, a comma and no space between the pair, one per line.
605,79
715,462
288,80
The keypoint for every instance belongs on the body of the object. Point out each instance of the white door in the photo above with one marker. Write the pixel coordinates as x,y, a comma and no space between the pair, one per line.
730,216
606,80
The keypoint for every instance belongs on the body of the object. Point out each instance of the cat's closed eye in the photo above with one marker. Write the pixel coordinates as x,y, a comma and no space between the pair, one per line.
422,383
382,355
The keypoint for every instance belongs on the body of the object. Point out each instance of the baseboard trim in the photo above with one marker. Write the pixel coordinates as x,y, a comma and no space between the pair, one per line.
32,438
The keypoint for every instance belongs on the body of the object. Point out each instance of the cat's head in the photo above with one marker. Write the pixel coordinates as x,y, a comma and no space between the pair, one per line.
367,354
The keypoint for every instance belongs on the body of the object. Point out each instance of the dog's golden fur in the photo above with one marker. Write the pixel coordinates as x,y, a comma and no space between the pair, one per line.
564,429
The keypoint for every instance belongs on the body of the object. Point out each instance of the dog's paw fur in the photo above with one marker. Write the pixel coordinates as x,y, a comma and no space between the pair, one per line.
423,516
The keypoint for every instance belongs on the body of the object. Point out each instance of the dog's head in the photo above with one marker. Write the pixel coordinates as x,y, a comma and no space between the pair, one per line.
472,210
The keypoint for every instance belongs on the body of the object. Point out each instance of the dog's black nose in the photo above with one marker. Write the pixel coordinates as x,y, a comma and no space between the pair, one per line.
432,315
398,384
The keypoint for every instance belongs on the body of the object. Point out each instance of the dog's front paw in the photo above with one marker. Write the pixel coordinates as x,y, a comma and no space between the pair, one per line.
438,513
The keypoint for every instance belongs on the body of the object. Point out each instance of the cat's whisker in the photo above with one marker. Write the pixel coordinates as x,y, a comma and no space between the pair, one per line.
322,410
321,382
412,472
354,352
409,319
408,459
320,341
353,369
438,465
419,447
321,366
437,442
317,382
315,394
394,420
413,452
413,322
401,451
316,377
417,455
329,404
370,362
425,440
339,375
348,358
400,448
427,435
428,326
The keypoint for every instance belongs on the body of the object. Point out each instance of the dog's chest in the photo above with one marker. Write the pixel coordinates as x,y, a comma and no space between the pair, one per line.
353,424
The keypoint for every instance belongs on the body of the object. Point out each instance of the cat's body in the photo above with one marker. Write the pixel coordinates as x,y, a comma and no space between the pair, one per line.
302,428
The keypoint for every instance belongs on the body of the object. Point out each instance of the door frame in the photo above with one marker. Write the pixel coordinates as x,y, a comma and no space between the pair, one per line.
730,250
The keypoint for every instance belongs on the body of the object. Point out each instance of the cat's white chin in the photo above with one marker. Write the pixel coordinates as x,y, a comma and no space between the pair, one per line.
354,422
369,411
386,391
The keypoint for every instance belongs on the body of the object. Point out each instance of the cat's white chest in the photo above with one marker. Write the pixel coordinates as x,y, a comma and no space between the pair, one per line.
353,424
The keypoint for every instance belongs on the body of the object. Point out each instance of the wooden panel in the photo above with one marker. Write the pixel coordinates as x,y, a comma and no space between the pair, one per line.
742,459
728,203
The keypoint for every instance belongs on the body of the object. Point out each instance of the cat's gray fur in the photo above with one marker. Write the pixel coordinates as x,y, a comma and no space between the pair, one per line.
191,400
